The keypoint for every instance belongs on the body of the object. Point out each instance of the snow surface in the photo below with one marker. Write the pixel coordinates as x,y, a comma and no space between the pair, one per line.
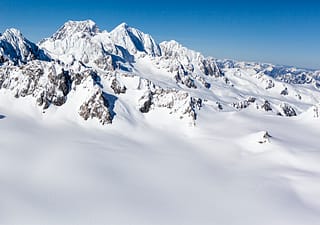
55,171
184,161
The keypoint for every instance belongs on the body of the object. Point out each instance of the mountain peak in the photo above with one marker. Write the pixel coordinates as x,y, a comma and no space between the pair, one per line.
17,49
134,40
173,43
12,34
13,31
123,25
71,27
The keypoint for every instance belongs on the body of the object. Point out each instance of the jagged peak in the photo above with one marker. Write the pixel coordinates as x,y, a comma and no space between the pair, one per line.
173,47
13,31
123,25
18,49
71,27
12,34
134,40
83,23
172,43
124,28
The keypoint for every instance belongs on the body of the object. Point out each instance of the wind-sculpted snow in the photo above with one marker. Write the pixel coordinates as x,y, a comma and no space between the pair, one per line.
79,56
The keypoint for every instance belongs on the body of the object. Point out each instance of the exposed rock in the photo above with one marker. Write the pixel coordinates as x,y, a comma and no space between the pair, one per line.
269,84
287,110
188,82
209,67
284,91
79,50
177,101
265,138
219,106
117,87
241,104
203,82
105,63
96,107
316,111
266,106
251,99
47,86
145,102
298,96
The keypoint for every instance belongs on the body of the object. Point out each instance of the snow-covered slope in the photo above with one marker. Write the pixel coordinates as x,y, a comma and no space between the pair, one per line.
16,49
143,76
81,41
114,128
134,40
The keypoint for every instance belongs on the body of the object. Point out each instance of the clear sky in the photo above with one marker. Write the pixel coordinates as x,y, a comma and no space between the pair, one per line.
281,32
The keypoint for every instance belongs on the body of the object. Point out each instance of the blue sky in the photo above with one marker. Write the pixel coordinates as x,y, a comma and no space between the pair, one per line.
281,32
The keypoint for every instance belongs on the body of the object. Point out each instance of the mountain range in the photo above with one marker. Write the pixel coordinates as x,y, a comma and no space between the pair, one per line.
101,127
98,70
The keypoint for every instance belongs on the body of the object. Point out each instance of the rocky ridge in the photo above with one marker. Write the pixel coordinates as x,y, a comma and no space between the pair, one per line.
108,63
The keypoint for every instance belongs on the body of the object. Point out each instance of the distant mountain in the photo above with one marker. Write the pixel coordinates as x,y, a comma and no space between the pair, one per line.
125,73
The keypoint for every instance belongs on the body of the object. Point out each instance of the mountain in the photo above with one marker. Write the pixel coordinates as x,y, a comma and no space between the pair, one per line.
134,40
16,49
114,65
101,127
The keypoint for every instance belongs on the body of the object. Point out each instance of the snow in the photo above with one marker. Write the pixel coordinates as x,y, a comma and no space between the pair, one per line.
181,162
154,174
134,40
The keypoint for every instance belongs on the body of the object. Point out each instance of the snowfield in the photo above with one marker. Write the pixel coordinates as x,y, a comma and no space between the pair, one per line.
214,173
102,127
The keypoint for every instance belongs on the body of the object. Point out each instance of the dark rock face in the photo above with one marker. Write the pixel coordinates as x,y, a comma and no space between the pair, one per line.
49,87
284,91
177,101
316,111
189,82
241,104
145,102
265,138
203,82
266,106
57,88
96,107
210,68
105,63
269,84
182,74
117,87
220,107
288,110
251,99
